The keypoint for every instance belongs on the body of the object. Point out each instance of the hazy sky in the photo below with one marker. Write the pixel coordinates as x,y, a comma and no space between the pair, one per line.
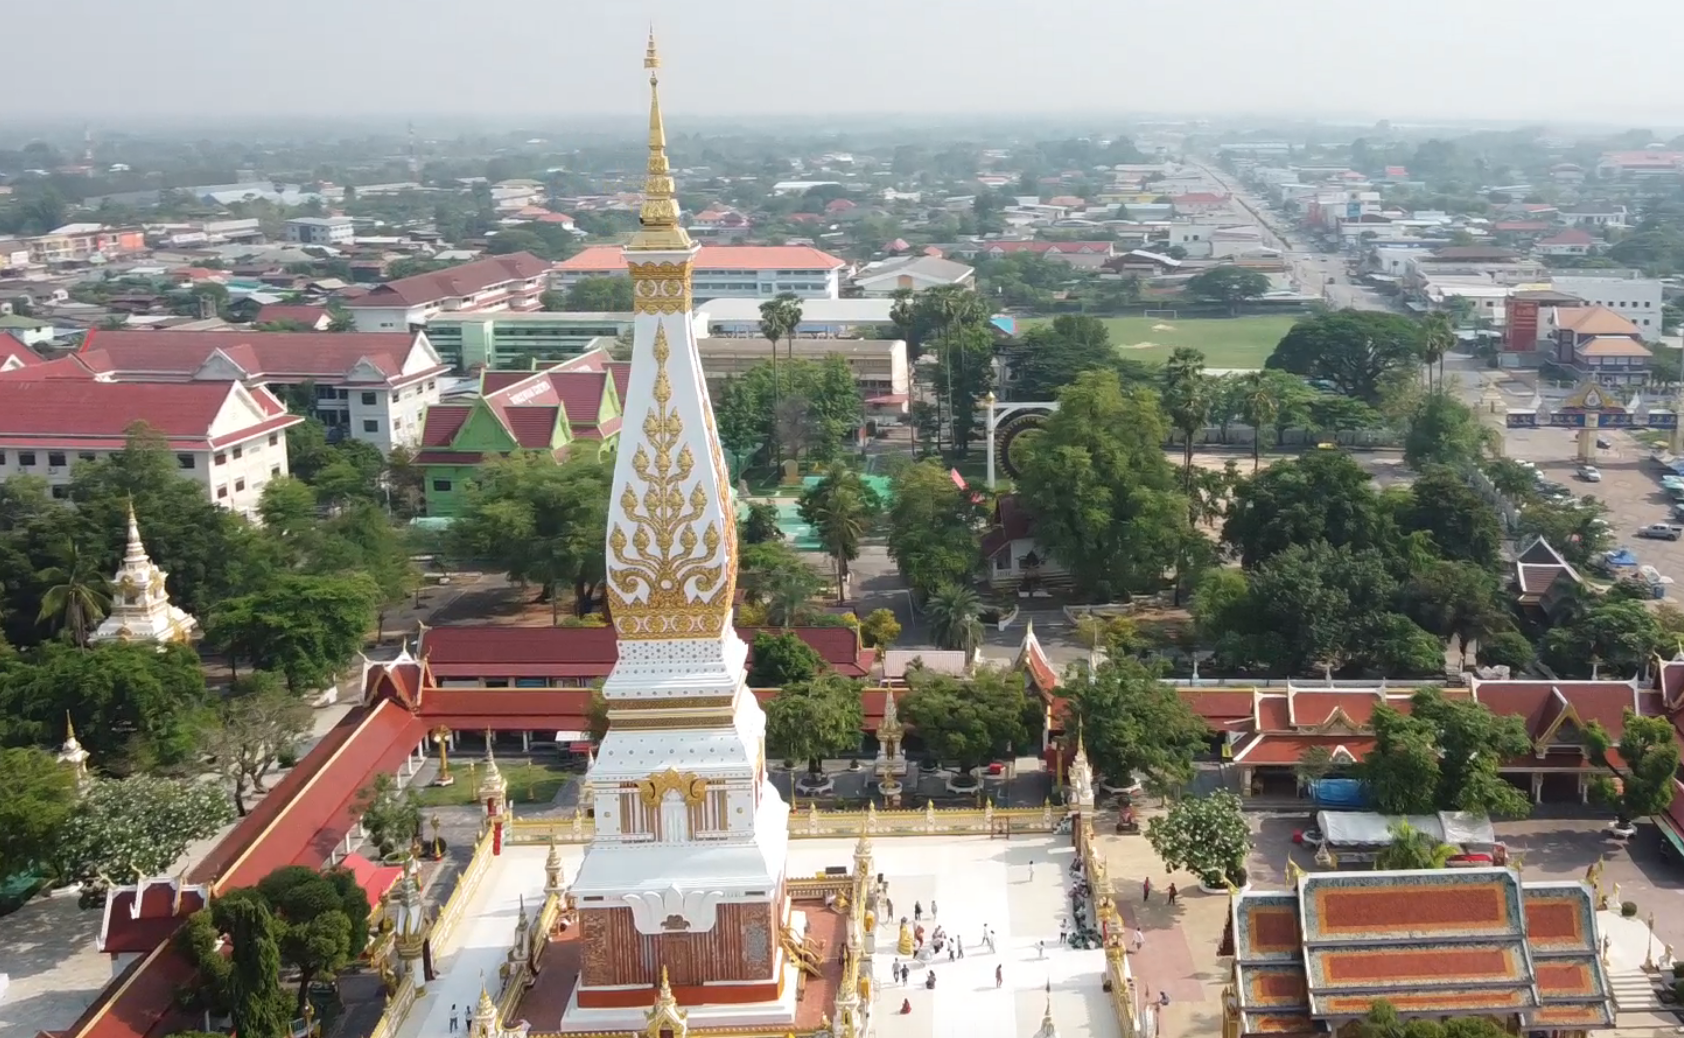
1426,59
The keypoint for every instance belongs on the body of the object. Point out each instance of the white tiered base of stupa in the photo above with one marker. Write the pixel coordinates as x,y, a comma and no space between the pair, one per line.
633,1019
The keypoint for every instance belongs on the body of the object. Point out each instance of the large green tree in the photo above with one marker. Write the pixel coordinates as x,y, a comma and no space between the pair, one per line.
1134,724
1413,849
303,627
1188,393
1647,765
1445,431
1103,496
542,523
322,920
783,659
1358,351
967,721
1445,755
841,508
1621,635
601,295
122,829
40,796
810,407
934,527
1463,526
953,613
1229,285
1051,356
1321,496
814,719
1207,835
254,979
1264,396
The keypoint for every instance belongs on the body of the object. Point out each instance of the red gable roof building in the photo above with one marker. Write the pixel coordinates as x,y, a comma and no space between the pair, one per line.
555,410
369,387
227,436
511,282
313,318
727,271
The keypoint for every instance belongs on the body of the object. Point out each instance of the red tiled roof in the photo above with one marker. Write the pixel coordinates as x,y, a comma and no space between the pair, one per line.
374,879
263,356
496,651
124,929
70,367
77,410
1522,226
496,381
305,315
1287,749
1273,713
532,426
452,282
14,351
622,378
1219,708
1571,236
443,422
610,259
1315,707
1011,523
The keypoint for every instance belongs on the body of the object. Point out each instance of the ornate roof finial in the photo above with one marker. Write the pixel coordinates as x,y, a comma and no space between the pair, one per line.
134,551
659,216
1081,743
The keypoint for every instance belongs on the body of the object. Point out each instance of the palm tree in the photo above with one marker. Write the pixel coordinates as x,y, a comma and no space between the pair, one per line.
777,321
1259,404
77,596
788,593
1413,849
953,613
1437,338
840,508
1187,401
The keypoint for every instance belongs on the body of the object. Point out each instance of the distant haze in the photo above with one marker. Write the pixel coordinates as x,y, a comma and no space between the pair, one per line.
1608,62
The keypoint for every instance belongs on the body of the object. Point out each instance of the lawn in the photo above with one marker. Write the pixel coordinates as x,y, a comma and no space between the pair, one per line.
1227,342
528,784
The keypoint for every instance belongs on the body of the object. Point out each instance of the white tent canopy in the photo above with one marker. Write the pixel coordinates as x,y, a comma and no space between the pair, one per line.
1463,829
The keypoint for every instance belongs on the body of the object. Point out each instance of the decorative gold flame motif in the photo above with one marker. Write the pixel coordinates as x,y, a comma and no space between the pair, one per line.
665,579
655,788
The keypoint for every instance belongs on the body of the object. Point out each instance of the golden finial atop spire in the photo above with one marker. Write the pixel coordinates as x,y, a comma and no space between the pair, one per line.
659,216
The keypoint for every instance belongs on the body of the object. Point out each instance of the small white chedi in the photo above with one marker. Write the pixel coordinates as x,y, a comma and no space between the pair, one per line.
140,606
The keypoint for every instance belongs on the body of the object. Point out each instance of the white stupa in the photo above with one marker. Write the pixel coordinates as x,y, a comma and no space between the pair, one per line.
140,605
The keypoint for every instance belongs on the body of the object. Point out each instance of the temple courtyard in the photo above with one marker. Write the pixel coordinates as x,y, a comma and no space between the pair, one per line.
1015,886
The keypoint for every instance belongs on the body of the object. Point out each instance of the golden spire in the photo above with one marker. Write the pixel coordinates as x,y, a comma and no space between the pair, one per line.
659,216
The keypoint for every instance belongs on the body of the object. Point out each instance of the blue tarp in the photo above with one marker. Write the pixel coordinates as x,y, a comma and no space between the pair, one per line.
1339,793
1622,557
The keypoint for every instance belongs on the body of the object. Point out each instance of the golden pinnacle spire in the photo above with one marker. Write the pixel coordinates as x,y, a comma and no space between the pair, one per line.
659,216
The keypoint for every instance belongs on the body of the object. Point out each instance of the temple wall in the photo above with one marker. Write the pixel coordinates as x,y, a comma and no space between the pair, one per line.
741,947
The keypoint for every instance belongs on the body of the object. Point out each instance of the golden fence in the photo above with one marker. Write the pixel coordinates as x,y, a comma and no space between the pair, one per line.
813,824
398,1004
1117,972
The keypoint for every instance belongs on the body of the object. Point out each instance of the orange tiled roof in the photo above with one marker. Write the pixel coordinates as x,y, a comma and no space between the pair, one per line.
1593,320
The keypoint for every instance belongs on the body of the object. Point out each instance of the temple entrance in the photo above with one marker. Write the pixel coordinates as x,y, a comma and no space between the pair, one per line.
1560,788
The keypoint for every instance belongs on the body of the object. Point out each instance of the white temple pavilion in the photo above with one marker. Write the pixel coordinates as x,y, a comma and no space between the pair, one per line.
140,605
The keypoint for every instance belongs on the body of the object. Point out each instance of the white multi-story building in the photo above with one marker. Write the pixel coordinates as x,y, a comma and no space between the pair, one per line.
366,386
490,285
1636,299
727,271
228,437
321,230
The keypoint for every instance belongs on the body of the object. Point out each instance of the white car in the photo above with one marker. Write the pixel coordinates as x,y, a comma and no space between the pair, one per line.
1590,473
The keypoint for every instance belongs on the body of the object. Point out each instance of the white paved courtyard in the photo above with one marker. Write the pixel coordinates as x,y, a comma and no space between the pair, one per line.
972,881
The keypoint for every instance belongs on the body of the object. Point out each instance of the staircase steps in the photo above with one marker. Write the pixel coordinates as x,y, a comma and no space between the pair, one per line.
1633,990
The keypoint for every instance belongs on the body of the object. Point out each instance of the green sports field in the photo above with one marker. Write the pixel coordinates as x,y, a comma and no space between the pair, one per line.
1227,342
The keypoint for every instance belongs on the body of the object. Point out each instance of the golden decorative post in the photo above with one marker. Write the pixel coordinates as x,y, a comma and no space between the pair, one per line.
441,739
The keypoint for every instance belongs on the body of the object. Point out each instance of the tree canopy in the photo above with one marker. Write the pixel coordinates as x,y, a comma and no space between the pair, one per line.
967,721
934,528
1229,285
1134,724
814,719
781,660
1358,351
1648,764
1444,755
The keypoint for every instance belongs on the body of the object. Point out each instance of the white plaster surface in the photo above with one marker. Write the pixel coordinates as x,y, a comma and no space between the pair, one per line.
973,881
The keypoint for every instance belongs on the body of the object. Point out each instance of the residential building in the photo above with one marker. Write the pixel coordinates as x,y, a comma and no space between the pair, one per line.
228,437
1570,242
313,318
30,331
81,242
569,406
913,274
364,386
468,341
1600,344
1199,203
14,254
491,285
1595,215
1636,299
1648,163
727,271
820,318
720,224
321,230
879,366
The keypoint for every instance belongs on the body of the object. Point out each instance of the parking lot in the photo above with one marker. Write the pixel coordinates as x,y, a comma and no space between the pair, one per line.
1630,487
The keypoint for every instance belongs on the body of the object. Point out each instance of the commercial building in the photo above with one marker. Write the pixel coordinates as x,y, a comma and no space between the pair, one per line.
321,230
363,386
1599,344
567,407
491,285
468,341
727,271
1636,299
228,437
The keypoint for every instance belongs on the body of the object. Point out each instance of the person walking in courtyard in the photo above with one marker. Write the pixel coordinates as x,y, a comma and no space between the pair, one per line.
1146,889
453,1018
1139,938
959,942
1172,893
999,975
932,908
1040,949
917,911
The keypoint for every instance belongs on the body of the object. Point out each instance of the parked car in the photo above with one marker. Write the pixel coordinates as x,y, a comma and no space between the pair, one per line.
1662,532
1604,443
1590,473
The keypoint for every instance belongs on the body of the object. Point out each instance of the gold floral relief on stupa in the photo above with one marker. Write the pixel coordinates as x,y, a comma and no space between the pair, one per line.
655,788
670,572
660,288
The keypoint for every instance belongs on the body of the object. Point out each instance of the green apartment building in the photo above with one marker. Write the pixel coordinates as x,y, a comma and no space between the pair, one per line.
494,340
574,406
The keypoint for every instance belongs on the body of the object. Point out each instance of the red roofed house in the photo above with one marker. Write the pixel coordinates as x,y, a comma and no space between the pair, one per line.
511,282
366,386
137,918
1014,558
550,410
1570,242
1084,255
313,318
727,271
717,224
1198,203
227,436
